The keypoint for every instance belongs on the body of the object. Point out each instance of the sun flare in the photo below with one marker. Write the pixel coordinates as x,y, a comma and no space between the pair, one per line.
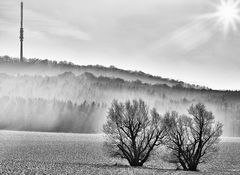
228,14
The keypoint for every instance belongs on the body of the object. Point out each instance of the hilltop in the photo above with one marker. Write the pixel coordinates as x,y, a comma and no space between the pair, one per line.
49,67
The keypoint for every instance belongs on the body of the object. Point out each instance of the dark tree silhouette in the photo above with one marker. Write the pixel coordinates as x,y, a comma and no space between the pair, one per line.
132,132
192,140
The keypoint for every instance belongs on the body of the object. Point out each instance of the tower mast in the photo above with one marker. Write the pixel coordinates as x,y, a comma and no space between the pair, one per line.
21,34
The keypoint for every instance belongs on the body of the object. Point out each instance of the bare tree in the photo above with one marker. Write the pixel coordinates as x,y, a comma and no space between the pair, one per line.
132,131
192,140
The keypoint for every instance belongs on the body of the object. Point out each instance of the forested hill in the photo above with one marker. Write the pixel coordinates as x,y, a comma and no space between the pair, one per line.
47,67
59,101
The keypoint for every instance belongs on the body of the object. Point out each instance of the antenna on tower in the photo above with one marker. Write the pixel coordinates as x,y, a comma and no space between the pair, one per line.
21,34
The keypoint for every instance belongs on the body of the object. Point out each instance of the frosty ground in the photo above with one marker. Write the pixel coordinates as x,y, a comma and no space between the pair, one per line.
61,153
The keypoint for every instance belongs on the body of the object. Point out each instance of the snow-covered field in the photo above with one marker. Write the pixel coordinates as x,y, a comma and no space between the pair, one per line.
58,153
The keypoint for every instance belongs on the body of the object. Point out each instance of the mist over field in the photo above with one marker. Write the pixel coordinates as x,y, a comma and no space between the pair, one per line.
42,95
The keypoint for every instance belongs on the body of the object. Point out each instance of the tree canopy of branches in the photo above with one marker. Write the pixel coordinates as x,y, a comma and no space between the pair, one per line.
132,131
192,140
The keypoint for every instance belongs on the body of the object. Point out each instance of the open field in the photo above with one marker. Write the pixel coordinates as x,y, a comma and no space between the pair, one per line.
58,153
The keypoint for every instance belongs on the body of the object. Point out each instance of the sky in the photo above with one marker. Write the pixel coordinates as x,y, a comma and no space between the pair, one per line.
192,41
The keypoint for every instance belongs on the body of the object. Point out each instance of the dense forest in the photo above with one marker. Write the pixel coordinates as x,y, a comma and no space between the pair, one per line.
63,97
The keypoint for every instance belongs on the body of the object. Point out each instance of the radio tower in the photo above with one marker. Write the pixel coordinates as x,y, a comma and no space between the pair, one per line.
21,34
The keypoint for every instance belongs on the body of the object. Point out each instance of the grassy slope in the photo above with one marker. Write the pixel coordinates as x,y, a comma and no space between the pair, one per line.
58,153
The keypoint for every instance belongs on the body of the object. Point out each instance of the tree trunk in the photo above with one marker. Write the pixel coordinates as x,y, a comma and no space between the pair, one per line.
135,163
183,165
192,167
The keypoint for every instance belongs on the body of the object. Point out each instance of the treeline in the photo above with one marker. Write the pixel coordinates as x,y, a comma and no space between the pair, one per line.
87,86
50,115
50,67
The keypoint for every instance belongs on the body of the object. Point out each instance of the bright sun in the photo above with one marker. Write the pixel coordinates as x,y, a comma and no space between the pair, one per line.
228,14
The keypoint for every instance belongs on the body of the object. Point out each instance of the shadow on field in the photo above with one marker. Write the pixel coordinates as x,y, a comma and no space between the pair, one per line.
98,165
